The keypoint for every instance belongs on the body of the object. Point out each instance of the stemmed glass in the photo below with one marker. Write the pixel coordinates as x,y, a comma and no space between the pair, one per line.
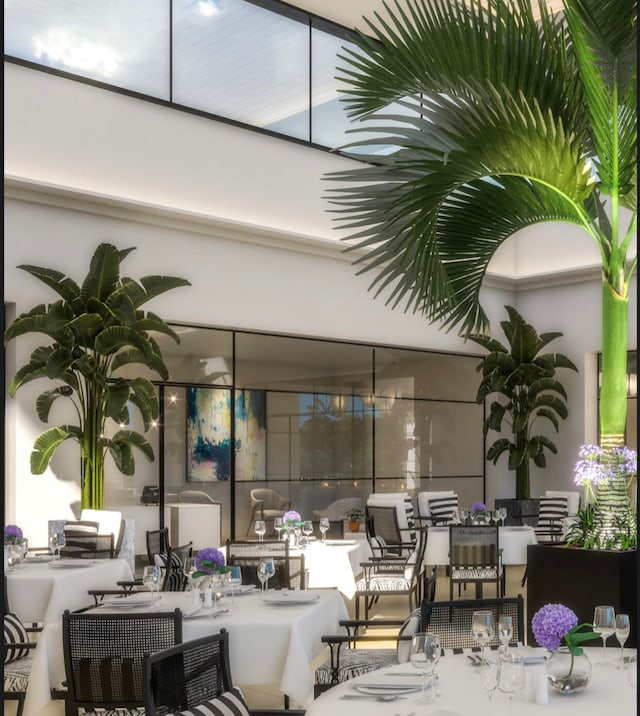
265,572
505,632
270,571
324,527
151,580
490,674
604,623
234,579
424,654
511,678
503,515
260,529
632,673
482,630
278,525
53,544
262,574
307,530
62,541
188,568
622,634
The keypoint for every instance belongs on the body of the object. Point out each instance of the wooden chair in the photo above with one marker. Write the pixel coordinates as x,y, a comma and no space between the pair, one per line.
451,620
103,656
195,674
474,557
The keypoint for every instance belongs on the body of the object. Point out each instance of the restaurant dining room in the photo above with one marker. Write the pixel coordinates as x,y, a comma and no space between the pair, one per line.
320,357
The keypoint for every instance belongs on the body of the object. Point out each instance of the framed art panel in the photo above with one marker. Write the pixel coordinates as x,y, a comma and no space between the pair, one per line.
251,435
208,434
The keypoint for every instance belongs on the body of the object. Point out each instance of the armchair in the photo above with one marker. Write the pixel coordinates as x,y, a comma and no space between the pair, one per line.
266,505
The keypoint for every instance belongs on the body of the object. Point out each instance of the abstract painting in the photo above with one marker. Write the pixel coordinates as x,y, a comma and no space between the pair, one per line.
250,437
208,434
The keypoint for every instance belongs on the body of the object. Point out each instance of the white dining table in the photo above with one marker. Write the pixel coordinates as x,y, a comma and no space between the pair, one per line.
335,563
41,591
512,540
268,644
460,693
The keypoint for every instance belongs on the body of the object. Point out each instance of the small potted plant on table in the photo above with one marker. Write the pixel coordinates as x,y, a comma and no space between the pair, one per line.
354,519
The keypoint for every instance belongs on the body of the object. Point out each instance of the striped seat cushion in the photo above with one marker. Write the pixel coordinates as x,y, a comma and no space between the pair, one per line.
354,662
176,581
384,584
442,508
16,674
14,633
231,703
471,573
552,511
410,627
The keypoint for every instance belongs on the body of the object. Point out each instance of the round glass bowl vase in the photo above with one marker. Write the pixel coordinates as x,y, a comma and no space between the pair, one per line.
567,673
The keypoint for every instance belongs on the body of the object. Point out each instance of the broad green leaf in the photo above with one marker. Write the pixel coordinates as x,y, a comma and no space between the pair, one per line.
48,442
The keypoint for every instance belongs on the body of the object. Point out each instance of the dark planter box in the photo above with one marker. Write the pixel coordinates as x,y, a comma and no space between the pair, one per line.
520,512
581,579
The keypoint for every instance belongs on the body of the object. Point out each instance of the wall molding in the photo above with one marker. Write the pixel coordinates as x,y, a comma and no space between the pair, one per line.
29,190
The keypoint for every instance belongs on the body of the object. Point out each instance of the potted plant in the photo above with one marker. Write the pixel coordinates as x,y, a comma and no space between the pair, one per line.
478,151
524,380
354,519
96,328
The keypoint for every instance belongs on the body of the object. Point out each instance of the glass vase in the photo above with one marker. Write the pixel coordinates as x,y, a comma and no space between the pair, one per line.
567,673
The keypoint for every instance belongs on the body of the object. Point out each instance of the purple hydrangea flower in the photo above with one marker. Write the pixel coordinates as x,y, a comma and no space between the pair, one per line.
12,533
209,560
598,465
551,623
291,518
479,508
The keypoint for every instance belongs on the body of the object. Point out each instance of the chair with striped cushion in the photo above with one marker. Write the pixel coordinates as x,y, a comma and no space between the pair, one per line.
404,510
437,508
474,557
172,562
553,510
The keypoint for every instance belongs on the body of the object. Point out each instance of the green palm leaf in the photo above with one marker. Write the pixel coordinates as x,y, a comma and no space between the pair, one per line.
48,442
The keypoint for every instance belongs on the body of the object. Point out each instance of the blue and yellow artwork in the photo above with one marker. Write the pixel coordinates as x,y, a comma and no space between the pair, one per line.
208,434
250,437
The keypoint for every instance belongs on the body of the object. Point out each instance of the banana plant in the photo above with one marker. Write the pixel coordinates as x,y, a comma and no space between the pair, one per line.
525,379
483,118
95,329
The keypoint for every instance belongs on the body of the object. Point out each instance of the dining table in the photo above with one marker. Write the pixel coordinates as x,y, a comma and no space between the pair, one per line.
513,540
273,637
40,588
396,691
334,563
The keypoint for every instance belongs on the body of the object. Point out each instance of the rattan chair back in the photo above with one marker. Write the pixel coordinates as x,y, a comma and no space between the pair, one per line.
157,543
289,568
88,546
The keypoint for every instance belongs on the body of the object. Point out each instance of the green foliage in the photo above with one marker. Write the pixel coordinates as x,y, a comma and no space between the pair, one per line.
479,120
95,328
525,379
592,530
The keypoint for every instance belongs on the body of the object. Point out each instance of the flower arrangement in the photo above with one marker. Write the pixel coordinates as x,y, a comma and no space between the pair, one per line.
12,534
291,519
597,465
209,561
478,508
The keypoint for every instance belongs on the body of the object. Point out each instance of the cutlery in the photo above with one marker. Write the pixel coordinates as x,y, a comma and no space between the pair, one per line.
534,660
382,697
475,660
219,613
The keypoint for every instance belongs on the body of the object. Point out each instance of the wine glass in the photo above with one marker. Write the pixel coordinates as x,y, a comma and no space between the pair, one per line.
490,675
278,525
505,631
424,654
53,544
260,529
234,579
604,623
270,570
622,634
151,579
324,527
188,568
632,673
482,629
307,530
62,541
262,572
503,515
511,678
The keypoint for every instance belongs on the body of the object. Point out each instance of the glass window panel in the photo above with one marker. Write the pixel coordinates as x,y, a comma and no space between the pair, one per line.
203,357
428,438
468,489
304,365
240,61
417,374
121,42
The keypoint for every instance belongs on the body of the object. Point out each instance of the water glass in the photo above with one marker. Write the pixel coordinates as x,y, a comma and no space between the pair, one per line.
482,629
307,530
604,623
260,529
424,654
490,675
151,580
511,678
234,579
632,673
188,568
324,527
278,525
623,627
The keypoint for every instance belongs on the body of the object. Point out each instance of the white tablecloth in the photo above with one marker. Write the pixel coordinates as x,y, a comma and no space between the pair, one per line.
40,593
335,565
460,693
512,540
268,644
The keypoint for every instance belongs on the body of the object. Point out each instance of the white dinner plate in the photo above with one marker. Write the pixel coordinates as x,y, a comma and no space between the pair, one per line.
339,542
39,559
134,601
72,563
242,589
289,599
391,690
